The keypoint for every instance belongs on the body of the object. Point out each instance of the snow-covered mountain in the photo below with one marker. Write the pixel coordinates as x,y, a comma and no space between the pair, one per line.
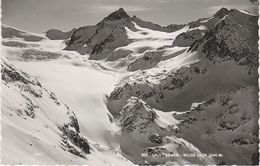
40,120
223,60
126,91
102,41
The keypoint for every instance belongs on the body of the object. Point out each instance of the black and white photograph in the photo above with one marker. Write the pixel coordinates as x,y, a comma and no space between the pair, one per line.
129,82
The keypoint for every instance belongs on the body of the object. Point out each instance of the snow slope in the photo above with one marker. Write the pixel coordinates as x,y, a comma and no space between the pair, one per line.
145,43
37,116
83,88
75,82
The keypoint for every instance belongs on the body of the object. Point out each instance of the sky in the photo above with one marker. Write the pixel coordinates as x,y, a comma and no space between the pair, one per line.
40,15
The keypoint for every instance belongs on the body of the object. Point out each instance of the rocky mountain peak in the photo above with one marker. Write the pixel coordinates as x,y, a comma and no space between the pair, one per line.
117,15
231,39
134,17
222,12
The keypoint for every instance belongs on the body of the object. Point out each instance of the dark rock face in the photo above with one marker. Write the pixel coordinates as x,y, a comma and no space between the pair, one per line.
221,13
219,16
99,47
70,136
55,34
117,15
155,138
105,49
174,27
135,116
211,21
187,38
74,122
229,40
79,37
222,46
11,75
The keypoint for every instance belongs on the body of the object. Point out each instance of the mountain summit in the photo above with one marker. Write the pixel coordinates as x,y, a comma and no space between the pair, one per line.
221,13
100,39
117,15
